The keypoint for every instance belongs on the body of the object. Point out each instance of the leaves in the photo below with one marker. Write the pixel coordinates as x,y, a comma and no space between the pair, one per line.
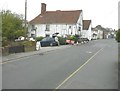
11,23
118,36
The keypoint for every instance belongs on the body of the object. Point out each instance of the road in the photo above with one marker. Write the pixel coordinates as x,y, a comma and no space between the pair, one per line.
93,65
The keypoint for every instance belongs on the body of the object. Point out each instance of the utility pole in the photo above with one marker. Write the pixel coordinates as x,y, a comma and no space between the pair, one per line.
25,18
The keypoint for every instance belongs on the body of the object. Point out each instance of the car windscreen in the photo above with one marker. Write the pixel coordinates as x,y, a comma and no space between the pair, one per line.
47,39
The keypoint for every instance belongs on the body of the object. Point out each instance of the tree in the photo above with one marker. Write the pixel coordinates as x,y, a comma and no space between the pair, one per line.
11,24
19,33
118,36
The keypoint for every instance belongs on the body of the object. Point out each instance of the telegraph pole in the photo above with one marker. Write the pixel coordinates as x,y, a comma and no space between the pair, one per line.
25,18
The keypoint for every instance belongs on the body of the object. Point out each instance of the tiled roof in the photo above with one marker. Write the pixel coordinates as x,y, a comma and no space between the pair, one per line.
57,17
94,29
86,24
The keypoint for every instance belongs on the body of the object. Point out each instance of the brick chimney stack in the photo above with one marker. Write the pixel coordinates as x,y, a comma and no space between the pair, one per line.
43,8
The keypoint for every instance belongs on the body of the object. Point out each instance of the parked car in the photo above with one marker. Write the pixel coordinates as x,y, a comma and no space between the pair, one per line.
83,40
48,41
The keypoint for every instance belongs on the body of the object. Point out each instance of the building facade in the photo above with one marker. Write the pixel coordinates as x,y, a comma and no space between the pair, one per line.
86,31
50,22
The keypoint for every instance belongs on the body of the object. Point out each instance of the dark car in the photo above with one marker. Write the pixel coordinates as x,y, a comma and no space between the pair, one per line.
48,41
80,40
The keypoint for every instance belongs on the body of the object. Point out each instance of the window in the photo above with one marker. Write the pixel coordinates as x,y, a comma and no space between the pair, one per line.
32,35
47,27
47,35
69,27
33,27
79,29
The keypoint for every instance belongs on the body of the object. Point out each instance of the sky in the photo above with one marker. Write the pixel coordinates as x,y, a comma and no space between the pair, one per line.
101,12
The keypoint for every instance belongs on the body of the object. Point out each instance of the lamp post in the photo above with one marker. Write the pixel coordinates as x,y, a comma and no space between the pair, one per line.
25,18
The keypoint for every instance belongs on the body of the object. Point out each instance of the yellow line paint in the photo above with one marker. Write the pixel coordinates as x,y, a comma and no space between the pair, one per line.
78,69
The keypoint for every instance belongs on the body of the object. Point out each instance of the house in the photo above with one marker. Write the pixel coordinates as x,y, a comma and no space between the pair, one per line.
98,32
86,31
111,33
94,33
50,22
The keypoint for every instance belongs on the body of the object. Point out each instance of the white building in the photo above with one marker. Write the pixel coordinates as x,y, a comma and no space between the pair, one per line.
99,32
49,22
94,33
86,32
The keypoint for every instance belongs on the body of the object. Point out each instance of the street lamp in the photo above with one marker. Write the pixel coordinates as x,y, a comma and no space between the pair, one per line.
25,18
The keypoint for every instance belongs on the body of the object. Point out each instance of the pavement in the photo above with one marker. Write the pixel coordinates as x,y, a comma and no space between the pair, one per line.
26,54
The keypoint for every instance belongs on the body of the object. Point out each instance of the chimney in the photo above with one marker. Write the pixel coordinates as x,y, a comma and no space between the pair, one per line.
43,8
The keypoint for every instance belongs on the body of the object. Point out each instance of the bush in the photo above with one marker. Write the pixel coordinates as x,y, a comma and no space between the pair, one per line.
28,43
74,38
5,42
118,36
39,38
62,40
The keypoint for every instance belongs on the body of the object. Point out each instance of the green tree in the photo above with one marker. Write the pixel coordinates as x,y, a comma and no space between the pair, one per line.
19,33
118,36
11,25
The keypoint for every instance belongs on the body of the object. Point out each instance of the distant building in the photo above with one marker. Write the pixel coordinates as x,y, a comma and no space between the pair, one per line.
49,22
100,32
94,33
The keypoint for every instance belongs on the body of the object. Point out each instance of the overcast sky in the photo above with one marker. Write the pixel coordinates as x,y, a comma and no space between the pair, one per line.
101,12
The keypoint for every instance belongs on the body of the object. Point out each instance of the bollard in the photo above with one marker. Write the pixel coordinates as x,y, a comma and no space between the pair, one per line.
77,43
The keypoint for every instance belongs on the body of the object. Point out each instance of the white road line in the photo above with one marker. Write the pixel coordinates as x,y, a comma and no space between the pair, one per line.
78,69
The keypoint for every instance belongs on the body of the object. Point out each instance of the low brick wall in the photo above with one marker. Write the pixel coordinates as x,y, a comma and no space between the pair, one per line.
29,48
6,50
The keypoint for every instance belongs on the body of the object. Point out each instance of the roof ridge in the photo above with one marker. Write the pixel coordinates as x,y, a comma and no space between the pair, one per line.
64,10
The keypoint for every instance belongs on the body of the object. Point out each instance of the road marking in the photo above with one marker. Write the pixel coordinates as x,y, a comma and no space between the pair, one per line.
88,52
78,69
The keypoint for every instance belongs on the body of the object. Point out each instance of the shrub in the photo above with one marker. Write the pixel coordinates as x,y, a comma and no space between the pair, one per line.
74,38
39,38
62,40
118,36
28,43
5,42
